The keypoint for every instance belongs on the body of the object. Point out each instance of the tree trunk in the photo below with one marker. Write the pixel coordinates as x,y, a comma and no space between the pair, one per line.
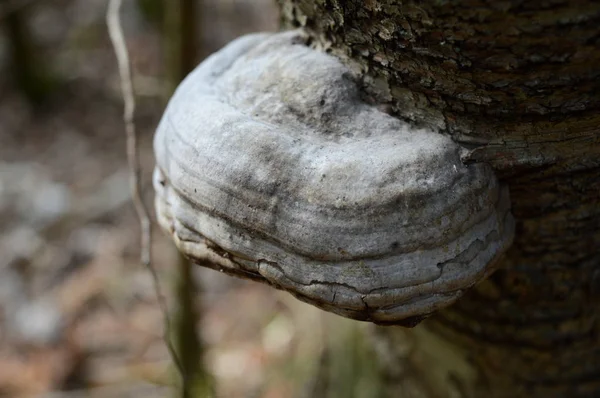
518,84
30,73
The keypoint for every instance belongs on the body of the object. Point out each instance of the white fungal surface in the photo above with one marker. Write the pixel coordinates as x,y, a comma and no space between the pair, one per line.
271,167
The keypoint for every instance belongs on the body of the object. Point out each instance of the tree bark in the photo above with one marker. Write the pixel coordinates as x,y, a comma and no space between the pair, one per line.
517,83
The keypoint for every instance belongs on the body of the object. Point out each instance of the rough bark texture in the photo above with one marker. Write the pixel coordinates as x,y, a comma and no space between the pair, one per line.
518,84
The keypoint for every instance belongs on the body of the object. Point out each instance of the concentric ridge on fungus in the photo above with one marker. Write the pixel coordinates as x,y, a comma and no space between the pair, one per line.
270,167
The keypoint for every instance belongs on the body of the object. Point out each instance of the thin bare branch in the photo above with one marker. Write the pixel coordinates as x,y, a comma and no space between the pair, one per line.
117,38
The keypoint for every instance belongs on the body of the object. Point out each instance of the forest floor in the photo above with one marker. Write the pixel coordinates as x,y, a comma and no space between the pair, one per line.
78,314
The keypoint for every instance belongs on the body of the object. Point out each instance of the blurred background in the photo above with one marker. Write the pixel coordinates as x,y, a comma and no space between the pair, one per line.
78,313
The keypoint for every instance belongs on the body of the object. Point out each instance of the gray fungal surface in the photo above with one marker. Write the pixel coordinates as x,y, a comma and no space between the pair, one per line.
271,167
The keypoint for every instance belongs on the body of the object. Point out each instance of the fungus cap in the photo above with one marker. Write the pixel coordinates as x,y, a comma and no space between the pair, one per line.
271,167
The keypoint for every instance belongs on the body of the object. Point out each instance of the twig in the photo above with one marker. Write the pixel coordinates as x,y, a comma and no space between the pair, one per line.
115,32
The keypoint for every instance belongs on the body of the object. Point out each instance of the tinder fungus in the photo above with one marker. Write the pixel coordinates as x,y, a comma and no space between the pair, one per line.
271,167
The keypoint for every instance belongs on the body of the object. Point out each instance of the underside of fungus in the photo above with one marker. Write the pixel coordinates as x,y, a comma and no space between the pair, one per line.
271,167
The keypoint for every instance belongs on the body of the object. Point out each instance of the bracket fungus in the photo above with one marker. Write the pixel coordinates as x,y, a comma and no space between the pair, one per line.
272,168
